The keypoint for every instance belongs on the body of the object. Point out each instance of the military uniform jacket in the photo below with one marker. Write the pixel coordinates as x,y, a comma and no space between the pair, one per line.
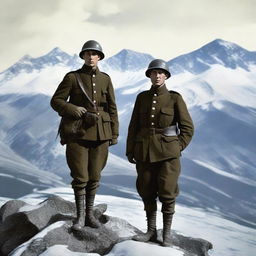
99,88
154,110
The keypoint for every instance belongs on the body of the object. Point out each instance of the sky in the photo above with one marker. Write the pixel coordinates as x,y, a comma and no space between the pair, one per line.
164,28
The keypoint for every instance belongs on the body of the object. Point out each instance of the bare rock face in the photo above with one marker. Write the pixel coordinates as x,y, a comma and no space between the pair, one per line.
30,230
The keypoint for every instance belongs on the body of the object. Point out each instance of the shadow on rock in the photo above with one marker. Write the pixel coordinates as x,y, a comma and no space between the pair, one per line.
30,230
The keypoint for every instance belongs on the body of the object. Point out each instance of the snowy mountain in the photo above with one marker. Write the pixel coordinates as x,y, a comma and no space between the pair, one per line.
220,52
28,64
128,60
218,82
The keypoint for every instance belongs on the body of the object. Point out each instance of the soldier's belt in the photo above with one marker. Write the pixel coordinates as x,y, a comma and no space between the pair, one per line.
167,131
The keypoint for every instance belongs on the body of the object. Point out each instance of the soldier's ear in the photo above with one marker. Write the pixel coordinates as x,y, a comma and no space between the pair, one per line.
83,55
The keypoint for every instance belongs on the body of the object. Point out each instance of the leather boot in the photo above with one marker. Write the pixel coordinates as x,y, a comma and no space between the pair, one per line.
167,221
151,234
90,220
80,211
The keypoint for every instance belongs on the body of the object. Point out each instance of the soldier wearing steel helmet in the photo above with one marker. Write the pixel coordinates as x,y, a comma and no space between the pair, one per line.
160,128
87,152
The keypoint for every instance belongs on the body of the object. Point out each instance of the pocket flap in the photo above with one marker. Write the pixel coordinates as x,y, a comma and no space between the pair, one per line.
167,111
105,117
169,138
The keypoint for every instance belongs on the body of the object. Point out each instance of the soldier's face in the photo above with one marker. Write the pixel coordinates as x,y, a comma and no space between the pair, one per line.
157,77
91,58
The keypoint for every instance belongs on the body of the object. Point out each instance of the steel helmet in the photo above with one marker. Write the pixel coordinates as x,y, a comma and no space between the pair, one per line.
158,64
92,45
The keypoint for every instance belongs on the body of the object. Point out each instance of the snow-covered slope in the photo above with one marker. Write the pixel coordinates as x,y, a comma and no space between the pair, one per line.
218,82
19,177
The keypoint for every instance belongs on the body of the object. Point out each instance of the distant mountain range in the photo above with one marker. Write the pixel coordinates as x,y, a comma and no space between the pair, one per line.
218,82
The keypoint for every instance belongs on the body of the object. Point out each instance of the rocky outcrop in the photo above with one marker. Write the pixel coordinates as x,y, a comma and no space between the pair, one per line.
30,230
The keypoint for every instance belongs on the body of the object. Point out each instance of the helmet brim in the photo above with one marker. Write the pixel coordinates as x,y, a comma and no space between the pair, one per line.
101,54
147,73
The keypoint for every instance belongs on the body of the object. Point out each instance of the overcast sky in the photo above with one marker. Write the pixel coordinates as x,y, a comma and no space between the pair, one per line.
162,28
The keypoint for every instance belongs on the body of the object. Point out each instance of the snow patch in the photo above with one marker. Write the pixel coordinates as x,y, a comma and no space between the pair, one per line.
19,250
226,174
132,248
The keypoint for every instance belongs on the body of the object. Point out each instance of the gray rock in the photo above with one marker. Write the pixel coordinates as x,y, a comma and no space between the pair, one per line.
29,231
10,208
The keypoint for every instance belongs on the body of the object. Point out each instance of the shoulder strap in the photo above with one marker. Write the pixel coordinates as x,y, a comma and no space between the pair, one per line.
80,83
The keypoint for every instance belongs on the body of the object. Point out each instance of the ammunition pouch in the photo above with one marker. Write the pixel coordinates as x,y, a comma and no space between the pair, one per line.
90,118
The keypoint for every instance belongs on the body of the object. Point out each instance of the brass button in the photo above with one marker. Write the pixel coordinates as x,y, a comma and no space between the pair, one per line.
152,115
153,108
94,91
155,94
93,84
154,101
152,123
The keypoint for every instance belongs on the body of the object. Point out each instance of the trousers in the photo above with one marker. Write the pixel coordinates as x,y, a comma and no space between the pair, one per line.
86,160
158,180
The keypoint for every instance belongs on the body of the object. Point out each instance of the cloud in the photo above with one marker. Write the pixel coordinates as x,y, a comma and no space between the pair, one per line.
163,28
165,13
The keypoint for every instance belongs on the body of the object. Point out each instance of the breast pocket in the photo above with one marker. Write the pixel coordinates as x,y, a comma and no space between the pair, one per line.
104,96
166,117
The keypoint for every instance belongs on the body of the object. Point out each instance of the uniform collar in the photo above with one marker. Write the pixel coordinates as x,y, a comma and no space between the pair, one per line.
89,70
159,90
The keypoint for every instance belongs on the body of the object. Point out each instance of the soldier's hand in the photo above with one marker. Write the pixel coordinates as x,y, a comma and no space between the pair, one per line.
79,111
131,159
112,142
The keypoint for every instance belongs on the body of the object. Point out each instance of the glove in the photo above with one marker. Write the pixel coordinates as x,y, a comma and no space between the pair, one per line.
131,159
113,142
75,111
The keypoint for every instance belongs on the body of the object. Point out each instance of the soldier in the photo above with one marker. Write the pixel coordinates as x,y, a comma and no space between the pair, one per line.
160,128
87,150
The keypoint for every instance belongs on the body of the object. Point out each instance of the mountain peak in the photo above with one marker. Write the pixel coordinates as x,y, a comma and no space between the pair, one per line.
219,44
28,64
128,59
219,51
25,58
128,52
55,51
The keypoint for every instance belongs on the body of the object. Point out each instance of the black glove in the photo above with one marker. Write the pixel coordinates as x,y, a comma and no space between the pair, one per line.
131,159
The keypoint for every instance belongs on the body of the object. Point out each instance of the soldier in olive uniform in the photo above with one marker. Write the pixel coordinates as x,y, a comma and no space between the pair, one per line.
87,153
160,128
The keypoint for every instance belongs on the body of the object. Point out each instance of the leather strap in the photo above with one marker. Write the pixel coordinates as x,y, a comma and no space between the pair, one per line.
80,83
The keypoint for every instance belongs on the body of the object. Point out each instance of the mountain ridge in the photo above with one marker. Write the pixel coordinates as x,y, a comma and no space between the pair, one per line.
125,59
221,100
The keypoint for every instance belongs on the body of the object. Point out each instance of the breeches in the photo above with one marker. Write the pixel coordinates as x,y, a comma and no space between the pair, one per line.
86,159
158,179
